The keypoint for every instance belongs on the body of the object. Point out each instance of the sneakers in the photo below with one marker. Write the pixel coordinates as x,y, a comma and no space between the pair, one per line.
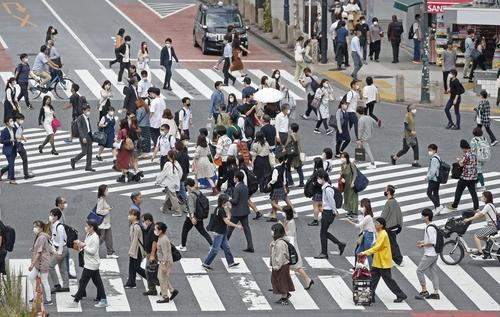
268,215
234,264
304,117
341,248
48,303
206,266
176,215
494,143
102,303
313,223
393,160
433,296
329,131
437,210
481,189
112,256
416,164
72,304
316,131
450,207
181,248
400,299
371,167
321,256
129,286
150,293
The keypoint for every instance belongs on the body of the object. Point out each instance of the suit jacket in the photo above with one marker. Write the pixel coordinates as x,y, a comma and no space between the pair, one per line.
9,147
83,131
130,99
165,57
240,201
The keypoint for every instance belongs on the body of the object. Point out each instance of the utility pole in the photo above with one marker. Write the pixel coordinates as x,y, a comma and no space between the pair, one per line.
324,32
286,12
425,96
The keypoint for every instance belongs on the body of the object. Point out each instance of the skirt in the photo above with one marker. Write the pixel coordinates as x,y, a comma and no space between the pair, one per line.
145,140
487,231
123,160
282,281
278,194
110,139
48,128
318,197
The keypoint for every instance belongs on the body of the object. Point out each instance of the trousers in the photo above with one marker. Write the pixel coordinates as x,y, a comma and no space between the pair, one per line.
396,253
24,93
225,71
327,219
86,151
45,283
246,229
24,157
220,241
471,186
433,192
164,278
395,50
86,276
63,269
168,74
406,148
385,274
456,106
134,267
188,225
106,236
428,264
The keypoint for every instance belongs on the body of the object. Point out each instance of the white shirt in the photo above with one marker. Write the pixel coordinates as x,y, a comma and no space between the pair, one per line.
156,110
333,29
366,224
355,46
165,144
416,26
299,51
169,49
328,165
233,149
352,99
430,237
241,124
58,236
126,58
489,213
281,123
87,122
370,93
184,116
143,87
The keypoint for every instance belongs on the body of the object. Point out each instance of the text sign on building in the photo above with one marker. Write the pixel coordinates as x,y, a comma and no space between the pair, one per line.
437,6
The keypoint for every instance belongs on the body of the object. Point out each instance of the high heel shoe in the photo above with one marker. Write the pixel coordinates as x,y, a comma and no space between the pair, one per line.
40,148
54,152
309,286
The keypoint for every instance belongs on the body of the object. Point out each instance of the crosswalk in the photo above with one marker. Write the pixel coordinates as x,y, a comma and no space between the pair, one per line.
197,84
246,287
55,171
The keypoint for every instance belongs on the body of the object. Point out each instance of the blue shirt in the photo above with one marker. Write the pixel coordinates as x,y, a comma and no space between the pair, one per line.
248,90
24,72
135,207
342,34
216,99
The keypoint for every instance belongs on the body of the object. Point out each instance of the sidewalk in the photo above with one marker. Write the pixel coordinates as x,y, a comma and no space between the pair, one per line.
384,74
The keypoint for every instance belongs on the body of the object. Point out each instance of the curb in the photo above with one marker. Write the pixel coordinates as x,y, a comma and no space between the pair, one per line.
271,43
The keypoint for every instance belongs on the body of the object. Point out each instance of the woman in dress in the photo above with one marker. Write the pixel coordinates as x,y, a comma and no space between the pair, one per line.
90,249
144,124
105,100
118,42
280,264
107,125
366,235
348,174
201,164
40,261
143,59
299,58
291,233
10,105
123,156
325,93
104,209
134,132
45,118
238,49
317,197
260,152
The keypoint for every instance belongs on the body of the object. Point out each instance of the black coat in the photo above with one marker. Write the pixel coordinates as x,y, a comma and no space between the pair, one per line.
130,99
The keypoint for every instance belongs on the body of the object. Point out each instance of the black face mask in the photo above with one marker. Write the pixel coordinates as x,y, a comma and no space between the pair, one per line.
385,194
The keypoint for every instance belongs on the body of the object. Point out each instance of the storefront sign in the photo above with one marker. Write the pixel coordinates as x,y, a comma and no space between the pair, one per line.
436,6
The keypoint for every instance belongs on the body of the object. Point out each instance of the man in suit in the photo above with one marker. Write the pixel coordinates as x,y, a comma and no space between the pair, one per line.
166,57
124,53
8,139
240,210
131,96
85,136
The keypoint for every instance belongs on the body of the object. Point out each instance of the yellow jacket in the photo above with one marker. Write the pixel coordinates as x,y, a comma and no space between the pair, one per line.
381,251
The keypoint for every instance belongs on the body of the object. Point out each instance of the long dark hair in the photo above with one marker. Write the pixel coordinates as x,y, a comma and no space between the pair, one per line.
144,49
231,162
365,202
101,190
260,138
223,198
41,115
318,163
201,141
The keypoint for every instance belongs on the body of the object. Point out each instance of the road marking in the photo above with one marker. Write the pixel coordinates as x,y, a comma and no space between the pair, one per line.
205,293
90,81
195,82
5,77
170,306
192,266
409,271
4,45
384,293
340,291
289,77
469,286
258,73
117,299
70,31
176,89
213,76
129,20
195,60
113,78
159,8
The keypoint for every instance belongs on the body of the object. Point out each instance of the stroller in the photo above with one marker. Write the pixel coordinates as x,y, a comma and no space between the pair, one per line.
361,283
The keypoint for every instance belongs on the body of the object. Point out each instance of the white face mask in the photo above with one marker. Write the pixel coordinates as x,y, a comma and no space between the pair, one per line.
430,153
343,160
325,85
231,99
168,45
11,124
51,218
363,209
65,205
323,156
156,232
375,23
87,229
87,113
36,230
362,21
414,111
25,60
277,76
163,133
21,122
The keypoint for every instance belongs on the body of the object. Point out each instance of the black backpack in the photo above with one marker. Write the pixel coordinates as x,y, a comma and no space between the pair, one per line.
462,45
74,129
252,182
444,172
176,255
202,206
309,187
293,257
263,185
125,90
9,236
337,195
176,116
314,84
71,234
411,33
439,238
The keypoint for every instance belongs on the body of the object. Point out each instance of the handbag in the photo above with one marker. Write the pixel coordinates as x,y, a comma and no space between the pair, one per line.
340,184
93,215
128,144
56,124
361,182
176,255
152,272
456,170
218,162
316,102
360,154
411,141
118,144
360,238
211,222
302,157
100,137
81,261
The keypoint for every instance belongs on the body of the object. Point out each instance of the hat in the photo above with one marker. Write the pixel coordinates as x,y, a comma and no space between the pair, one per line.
381,221
464,144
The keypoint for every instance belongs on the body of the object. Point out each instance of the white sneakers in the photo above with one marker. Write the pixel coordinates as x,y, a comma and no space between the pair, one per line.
112,256
371,167
438,210
181,248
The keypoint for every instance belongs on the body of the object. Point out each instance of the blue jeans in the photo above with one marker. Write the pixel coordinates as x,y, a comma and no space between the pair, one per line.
220,241
457,111
366,244
416,50
353,121
182,192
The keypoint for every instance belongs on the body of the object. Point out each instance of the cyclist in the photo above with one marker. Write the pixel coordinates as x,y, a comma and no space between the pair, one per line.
41,65
490,214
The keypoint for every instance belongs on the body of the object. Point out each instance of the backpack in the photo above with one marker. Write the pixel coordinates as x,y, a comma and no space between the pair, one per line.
71,234
292,148
444,171
202,206
252,182
314,84
176,116
309,187
248,127
461,89
483,151
337,195
439,238
9,236
293,257
74,129
243,151
411,33
462,45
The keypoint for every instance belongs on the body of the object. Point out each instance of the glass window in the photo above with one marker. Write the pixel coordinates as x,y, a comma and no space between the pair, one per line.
223,20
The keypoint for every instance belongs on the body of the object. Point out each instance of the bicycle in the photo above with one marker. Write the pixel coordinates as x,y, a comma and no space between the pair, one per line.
60,84
454,249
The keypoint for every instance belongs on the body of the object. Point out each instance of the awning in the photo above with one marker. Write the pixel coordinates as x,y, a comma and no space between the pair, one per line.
403,5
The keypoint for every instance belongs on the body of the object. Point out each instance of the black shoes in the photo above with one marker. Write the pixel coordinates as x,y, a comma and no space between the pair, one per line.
341,248
90,170
321,256
313,223
258,214
249,250
54,152
416,165
163,301
99,158
72,163
400,299
128,286
309,286
28,176
40,148
272,220
393,160
59,289
121,179
150,293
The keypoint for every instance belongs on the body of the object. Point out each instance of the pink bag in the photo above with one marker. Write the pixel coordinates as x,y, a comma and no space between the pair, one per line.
56,124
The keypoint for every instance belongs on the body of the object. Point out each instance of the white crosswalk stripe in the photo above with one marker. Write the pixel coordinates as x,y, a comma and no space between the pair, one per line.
411,187
163,10
197,84
249,293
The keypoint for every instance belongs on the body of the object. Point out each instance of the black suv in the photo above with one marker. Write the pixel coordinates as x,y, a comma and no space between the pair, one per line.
210,27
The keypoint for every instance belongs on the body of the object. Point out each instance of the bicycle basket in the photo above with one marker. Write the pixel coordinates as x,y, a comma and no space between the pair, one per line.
456,225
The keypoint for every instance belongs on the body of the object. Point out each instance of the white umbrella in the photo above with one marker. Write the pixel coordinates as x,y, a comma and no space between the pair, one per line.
268,95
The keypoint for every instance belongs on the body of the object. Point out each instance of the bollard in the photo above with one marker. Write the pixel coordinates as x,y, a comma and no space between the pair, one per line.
438,93
251,19
282,27
400,88
276,28
291,36
260,18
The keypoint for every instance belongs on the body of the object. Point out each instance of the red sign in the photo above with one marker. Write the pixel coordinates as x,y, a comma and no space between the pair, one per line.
436,6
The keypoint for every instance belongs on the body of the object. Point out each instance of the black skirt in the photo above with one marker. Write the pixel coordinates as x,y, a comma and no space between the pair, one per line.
261,167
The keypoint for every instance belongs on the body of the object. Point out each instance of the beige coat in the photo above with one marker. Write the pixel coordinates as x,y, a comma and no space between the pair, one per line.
136,241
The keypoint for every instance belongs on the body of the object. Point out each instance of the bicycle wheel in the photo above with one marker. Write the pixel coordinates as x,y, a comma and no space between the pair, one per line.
453,252
33,92
61,90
